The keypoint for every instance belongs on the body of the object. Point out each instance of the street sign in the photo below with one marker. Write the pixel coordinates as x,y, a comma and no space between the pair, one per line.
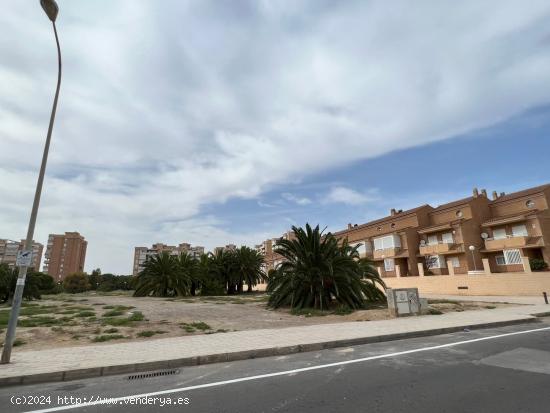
24,259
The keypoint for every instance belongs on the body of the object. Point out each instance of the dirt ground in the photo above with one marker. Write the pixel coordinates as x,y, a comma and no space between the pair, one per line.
81,319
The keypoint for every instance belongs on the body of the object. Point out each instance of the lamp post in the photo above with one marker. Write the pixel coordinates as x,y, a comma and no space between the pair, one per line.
51,9
472,249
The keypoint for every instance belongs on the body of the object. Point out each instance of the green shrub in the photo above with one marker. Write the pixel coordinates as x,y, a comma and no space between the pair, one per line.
111,330
149,333
107,337
538,264
434,311
113,313
85,314
76,283
136,316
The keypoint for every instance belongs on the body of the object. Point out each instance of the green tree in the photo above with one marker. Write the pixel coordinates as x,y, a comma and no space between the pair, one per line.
207,277
224,268
317,272
95,279
76,283
187,269
248,267
162,277
36,283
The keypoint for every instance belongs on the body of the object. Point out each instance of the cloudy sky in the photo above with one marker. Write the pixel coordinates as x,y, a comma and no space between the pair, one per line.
218,122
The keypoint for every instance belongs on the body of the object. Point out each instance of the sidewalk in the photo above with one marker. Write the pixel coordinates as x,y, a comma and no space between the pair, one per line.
532,300
72,363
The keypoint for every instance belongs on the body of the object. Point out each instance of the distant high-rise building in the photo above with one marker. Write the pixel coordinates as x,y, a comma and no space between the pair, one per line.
228,247
142,253
65,254
9,250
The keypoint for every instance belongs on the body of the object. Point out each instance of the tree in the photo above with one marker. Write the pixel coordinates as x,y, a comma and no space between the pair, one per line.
248,266
207,277
96,279
76,283
36,283
187,269
223,267
317,272
162,277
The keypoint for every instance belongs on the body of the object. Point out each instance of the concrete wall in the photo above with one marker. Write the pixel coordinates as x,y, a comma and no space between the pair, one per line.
493,284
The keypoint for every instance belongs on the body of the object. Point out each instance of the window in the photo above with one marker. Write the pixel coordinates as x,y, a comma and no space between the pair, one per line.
512,257
447,238
499,233
435,261
500,260
519,231
389,264
530,203
390,241
459,214
432,240
455,262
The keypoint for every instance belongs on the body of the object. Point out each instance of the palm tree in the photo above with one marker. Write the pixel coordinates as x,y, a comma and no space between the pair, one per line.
223,267
316,271
248,263
162,276
187,269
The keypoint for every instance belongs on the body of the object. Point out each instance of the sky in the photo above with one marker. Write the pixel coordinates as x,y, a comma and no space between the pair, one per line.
216,122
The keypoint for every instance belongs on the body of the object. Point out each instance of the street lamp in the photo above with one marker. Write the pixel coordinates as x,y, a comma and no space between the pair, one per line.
472,249
51,9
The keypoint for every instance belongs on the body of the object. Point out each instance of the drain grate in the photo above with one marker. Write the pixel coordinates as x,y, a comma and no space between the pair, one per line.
153,374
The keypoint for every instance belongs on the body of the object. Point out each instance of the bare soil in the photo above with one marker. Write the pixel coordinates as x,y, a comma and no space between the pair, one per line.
75,325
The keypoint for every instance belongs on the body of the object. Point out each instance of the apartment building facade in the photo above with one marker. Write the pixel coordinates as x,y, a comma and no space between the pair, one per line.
141,254
503,232
9,250
267,249
457,237
65,254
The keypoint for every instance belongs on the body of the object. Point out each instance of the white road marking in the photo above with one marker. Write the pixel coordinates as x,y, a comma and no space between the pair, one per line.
114,401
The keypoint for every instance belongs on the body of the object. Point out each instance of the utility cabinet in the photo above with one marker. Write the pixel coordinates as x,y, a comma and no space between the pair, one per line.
403,301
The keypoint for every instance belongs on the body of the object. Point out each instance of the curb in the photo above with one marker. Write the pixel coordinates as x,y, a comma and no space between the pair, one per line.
78,374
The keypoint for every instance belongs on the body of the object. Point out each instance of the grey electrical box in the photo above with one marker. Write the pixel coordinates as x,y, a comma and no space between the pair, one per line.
403,301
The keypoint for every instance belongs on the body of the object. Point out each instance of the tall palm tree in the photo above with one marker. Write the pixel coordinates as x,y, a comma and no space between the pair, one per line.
223,267
248,263
162,277
317,271
187,267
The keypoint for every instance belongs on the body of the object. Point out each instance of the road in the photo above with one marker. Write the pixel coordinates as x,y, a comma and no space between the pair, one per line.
494,370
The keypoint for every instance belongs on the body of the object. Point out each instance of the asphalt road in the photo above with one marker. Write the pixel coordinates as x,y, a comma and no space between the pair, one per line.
476,371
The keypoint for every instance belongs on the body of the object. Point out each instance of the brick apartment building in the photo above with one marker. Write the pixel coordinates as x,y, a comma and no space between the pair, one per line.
271,258
65,254
141,254
454,238
9,250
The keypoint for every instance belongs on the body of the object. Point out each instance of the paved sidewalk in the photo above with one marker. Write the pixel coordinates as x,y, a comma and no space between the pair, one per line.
515,299
97,360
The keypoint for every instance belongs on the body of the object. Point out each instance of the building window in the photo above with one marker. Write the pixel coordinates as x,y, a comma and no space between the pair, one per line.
519,231
512,257
499,233
361,248
390,241
432,240
447,238
459,214
389,264
530,203
455,262
435,261
500,260
393,225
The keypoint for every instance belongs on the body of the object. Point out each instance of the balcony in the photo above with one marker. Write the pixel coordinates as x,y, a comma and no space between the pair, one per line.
437,249
386,253
504,243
